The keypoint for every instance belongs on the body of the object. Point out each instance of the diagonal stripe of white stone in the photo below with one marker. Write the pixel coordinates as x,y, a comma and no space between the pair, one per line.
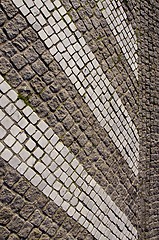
69,48
116,18
35,151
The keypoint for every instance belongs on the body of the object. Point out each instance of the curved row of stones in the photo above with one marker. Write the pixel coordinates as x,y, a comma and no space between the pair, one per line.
69,48
124,33
55,171
110,235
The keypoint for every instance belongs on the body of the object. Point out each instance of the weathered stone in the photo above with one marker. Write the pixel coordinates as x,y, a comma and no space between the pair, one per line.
5,215
11,178
77,116
6,196
47,57
9,50
39,67
63,95
30,35
17,203
68,122
19,61
39,46
34,194
20,43
61,113
46,224
88,23
75,4
34,101
20,22
42,110
9,8
67,4
15,224
48,77
75,131
24,91
3,37
30,55
71,90
46,95
74,148
5,65
53,229
70,106
13,237
51,120
82,140
68,224
74,15
67,139
36,218
50,209
53,66
11,29
21,186
35,234
4,233
3,17
37,84
81,26
27,73
27,210
61,233
54,104
44,237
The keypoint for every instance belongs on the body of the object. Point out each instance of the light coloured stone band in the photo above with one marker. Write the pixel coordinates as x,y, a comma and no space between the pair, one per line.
69,48
116,18
55,171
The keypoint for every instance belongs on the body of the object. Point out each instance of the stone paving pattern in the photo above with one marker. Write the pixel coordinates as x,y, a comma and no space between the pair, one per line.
55,171
149,127
25,213
29,68
80,65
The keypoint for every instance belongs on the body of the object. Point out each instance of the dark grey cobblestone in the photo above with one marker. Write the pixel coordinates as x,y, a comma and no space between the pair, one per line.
149,134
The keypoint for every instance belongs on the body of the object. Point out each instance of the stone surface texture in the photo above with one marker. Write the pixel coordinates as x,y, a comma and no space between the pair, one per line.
61,148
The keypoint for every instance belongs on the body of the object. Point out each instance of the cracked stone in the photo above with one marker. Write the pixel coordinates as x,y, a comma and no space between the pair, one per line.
20,43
